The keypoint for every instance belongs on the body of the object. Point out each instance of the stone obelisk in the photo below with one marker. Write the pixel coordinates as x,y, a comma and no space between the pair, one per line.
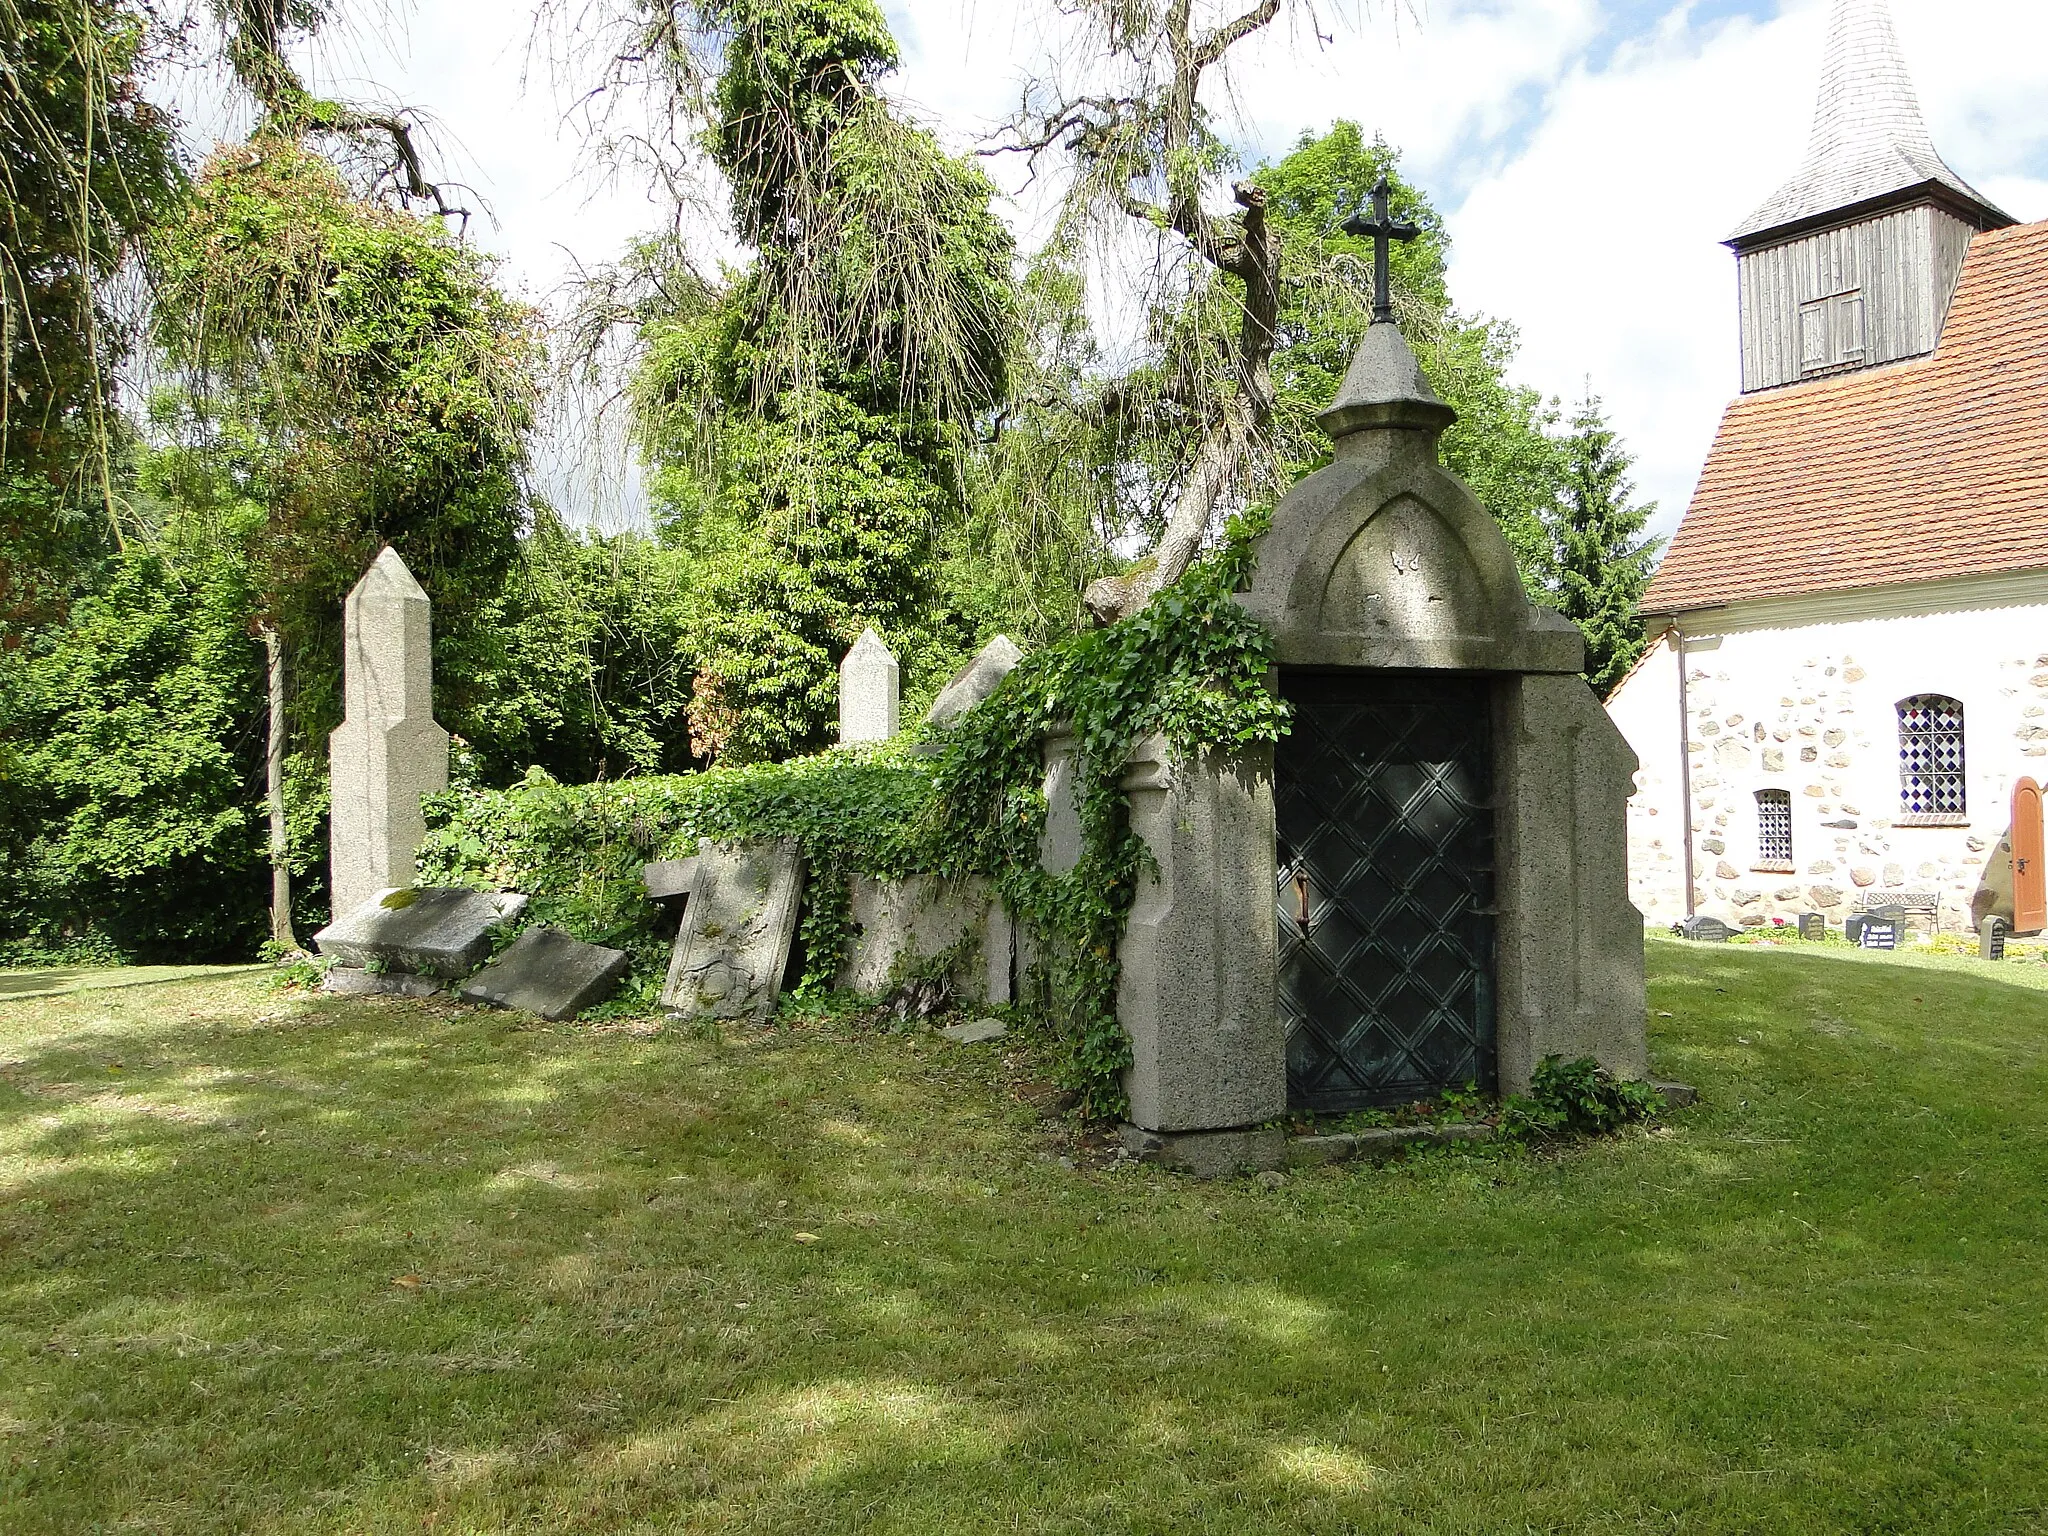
388,751
870,688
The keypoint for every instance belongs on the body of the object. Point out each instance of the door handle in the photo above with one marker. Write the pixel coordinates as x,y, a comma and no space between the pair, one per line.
1301,899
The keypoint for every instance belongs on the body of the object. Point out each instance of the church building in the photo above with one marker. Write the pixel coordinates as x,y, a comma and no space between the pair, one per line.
1845,704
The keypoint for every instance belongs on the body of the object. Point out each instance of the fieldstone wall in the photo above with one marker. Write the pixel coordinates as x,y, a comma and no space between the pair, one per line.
1812,711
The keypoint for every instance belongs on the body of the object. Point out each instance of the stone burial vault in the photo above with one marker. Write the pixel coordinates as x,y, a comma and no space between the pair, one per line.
1425,883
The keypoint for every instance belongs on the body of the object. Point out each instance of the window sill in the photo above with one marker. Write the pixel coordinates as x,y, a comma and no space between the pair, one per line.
1774,867
1930,819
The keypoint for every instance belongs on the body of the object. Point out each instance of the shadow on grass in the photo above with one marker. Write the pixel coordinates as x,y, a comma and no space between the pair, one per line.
368,1265
54,981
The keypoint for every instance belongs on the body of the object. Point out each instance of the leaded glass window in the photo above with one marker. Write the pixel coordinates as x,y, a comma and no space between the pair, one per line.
1931,756
1774,826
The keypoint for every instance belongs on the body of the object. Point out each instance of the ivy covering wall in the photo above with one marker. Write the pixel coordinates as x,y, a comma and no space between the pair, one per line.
1191,666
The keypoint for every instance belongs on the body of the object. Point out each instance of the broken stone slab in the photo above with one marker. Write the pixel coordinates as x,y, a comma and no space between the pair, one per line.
1209,1154
353,981
734,942
666,878
549,973
1379,1144
977,1032
1676,1095
425,931
975,681
897,923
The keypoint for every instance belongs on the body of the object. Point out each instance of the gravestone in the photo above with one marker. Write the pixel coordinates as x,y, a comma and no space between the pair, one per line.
669,878
1991,939
1852,927
424,932
1813,926
546,972
869,691
897,923
387,752
1705,930
734,941
975,681
1880,933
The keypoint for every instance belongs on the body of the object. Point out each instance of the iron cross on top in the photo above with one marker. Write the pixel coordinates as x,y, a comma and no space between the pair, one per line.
1380,229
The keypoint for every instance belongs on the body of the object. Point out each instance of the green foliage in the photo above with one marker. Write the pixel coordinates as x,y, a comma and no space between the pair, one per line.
1600,563
804,416
585,665
86,165
1576,1098
350,378
128,821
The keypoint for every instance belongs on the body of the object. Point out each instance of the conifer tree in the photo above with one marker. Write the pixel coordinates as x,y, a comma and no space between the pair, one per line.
1600,561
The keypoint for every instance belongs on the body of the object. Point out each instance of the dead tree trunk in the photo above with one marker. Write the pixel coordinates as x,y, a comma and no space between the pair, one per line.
281,935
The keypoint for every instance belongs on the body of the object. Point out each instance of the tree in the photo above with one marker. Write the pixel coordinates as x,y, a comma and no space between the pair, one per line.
87,165
807,414
349,377
1600,563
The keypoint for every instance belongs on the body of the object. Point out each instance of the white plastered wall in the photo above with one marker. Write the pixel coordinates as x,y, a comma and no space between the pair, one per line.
1801,695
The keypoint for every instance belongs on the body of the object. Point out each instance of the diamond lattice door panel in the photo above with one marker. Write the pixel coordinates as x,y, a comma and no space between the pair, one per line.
1383,800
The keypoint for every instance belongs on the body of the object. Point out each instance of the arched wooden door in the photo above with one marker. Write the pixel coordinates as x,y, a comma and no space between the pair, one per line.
2029,877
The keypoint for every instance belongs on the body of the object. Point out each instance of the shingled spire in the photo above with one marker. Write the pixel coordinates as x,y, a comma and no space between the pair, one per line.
1869,146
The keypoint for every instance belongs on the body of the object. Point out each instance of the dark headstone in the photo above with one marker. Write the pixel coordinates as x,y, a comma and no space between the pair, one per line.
1812,925
1852,927
1991,939
1705,930
1880,933
548,973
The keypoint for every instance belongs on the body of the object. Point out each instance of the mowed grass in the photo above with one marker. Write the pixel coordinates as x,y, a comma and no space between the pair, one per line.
308,1264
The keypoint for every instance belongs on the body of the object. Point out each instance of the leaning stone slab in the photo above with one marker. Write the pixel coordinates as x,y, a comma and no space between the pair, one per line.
1209,1154
975,681
670,877
734,941
548,973
433,931
1378,1145
899,922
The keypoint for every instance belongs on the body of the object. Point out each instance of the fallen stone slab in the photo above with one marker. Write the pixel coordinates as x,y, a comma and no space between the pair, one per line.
1676,1095
734,941
667,878
424,931
977,1032
547,972
1378,1145
354,981
1209,1154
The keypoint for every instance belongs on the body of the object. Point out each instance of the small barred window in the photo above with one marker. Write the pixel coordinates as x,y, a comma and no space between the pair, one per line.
1774,826
1931,756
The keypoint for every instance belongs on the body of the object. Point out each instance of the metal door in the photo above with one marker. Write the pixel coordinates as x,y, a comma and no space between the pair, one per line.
1383,796
2029,879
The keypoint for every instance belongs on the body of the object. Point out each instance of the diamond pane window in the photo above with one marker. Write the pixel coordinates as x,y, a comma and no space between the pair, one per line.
1931,756
1774,826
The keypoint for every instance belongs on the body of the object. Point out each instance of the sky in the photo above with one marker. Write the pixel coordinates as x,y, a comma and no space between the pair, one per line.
1588,155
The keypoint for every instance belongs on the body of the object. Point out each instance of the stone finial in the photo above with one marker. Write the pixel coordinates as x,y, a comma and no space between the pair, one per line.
975,681
388,751
870,688
1384,387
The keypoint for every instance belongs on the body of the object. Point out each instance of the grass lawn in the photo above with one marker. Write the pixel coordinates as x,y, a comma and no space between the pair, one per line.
290,1264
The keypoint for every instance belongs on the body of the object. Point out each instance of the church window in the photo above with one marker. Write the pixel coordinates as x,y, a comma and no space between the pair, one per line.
1931,758
1774,829
1831,331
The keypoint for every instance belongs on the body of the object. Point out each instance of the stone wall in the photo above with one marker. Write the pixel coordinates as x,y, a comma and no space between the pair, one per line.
1810,708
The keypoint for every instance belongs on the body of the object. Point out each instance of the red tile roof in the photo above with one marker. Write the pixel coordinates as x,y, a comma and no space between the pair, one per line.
1925,469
